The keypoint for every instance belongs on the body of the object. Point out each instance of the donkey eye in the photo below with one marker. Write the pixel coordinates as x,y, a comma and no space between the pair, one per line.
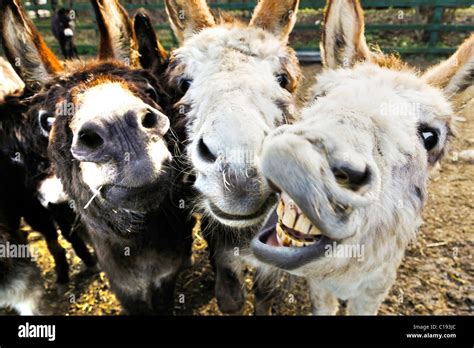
151,92
283,80
429,136
184,84
46,121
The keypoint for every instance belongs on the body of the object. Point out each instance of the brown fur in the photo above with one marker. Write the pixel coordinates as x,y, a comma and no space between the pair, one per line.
291,66
442,75
119,45
389,61
38,55
189,16
337,40
334,37
276,16
152,54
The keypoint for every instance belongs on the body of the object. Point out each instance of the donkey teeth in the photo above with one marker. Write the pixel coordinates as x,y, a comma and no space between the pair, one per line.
314,231
289,218
280,209
303,225
282,237
288,241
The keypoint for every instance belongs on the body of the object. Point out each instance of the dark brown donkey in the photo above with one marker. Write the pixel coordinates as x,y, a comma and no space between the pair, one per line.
110,146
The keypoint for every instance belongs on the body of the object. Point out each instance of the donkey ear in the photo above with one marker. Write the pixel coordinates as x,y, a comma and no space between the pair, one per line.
278,17
117,39
343,42
24,47
188,17
152,53
457,73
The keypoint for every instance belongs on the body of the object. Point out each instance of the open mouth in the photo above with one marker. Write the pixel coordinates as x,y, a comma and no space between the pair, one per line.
293,228
258,215
289,240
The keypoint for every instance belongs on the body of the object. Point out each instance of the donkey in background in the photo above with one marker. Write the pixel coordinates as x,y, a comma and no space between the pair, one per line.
63,26
353,172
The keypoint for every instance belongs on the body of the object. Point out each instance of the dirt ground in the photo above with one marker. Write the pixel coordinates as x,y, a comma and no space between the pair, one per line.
436,276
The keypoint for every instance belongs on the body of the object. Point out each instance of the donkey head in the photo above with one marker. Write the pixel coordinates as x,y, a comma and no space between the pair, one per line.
104,121
354,170
234,83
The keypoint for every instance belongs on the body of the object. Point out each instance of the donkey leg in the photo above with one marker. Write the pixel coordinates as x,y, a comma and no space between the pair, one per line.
163,295
265,289
40,220
228,288
132,304
366,304
81,250
369,301
323,302
375,291
65,218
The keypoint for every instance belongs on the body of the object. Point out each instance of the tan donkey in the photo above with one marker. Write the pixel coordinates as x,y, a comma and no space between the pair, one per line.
353,172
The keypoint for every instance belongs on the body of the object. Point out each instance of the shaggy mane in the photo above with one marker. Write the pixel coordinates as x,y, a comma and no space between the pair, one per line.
391,61
225,18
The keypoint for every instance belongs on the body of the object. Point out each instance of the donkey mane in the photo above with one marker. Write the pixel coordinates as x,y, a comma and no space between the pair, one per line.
226,18
391,61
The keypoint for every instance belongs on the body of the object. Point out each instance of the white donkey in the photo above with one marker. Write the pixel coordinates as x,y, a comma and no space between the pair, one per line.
353,172
235,83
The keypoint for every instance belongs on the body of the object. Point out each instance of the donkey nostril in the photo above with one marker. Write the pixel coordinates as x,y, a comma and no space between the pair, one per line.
350,177
150,120
90,139
205,152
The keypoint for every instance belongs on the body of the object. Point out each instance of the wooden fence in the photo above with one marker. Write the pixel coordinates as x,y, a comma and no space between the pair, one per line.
431,29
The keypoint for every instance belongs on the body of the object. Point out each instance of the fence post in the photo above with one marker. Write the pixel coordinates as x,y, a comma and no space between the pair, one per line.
437,19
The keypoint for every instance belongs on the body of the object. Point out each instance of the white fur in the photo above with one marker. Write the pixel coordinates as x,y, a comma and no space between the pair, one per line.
23,46
51,191
349,119
233,100
107,101
68,32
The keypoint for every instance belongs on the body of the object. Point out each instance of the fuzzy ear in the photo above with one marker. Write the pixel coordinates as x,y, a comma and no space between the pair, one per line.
278,17
24,47
343,43
117,39
152,53
188,17
455,74
10,82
